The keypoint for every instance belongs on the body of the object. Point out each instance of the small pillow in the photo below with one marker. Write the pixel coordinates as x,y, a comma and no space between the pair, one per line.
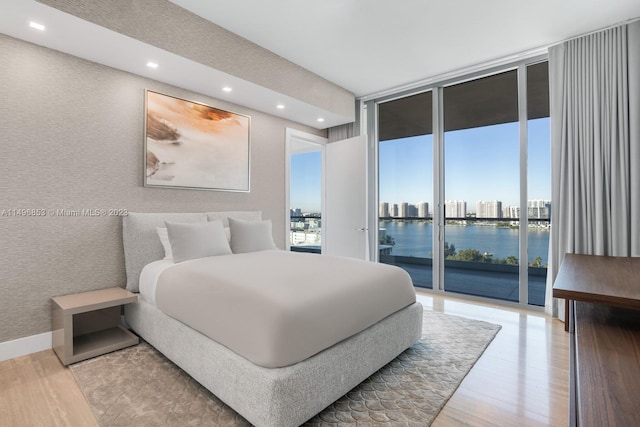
250,236
197,240
166,244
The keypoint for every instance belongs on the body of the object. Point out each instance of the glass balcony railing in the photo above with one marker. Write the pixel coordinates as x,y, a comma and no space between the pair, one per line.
481,254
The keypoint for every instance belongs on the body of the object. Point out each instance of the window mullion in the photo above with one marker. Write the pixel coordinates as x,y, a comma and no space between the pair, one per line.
438,190
524,214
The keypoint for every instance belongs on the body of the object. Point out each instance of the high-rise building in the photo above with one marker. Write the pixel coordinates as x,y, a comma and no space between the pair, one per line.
539,209
455,209
489,209
423,209
511,212
383,210
394,210
403,209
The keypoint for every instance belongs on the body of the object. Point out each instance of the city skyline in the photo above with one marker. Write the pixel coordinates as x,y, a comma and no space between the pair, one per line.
537,208
479,164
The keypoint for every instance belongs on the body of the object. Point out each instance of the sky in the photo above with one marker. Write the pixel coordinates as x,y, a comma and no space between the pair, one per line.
305,190
480,164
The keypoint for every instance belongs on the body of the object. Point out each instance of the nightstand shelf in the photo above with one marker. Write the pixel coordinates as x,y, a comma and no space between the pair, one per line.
88,324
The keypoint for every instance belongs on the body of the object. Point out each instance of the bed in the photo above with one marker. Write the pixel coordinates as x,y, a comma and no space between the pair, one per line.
283,369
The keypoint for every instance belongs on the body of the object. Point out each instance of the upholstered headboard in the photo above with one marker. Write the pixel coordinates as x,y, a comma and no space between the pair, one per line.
141,242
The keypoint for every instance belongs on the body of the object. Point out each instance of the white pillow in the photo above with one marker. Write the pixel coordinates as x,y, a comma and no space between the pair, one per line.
197,240
166,244
251,236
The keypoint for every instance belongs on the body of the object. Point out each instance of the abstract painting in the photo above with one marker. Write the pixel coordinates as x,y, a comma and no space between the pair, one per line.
194,146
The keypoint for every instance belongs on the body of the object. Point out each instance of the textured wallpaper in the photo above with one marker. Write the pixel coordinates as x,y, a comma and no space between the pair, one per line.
71,138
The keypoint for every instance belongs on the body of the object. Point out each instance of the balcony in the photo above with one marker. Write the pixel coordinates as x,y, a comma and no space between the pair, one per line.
473,278
488,278
481,255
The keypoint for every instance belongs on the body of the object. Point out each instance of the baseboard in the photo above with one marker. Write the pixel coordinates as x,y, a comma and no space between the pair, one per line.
24,346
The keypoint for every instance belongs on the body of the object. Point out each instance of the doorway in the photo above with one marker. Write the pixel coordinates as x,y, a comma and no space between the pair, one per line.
305,184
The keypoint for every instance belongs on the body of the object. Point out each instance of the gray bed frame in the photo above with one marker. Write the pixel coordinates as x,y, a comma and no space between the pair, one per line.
279,397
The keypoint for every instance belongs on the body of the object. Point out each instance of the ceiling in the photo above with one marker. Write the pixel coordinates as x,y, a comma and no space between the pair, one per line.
372,46
70,34
369,47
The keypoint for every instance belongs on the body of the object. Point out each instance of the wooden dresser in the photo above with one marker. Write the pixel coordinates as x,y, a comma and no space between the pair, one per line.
603,301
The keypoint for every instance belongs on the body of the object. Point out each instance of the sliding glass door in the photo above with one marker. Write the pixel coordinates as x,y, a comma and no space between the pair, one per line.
482,179
538,181
488,164
405,231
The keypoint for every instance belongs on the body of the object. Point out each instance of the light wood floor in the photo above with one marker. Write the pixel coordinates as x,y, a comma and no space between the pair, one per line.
521,380
36,390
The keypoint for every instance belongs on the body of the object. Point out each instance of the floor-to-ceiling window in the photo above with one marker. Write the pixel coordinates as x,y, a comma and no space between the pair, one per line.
405,185
538,180
482,185
491,161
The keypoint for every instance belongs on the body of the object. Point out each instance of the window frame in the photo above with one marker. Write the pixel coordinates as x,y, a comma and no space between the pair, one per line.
436,87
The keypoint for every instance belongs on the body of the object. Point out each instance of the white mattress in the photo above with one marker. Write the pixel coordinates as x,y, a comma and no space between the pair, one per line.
277,308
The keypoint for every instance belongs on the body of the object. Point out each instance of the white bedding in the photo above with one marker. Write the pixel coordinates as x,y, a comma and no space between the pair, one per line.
277,308
149,278
284,397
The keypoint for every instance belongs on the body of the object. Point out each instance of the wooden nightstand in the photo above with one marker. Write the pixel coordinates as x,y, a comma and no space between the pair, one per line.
88,324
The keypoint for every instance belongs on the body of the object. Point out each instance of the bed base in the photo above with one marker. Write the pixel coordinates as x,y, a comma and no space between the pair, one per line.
279,397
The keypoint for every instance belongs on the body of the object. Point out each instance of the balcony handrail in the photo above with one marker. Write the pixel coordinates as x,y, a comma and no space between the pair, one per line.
468,218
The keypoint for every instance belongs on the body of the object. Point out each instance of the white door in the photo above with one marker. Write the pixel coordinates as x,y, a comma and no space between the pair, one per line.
345,221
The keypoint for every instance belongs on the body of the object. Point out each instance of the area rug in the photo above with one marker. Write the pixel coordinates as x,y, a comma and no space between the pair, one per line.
138,386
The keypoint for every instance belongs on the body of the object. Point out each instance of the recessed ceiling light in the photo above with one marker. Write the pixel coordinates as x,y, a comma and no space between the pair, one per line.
280,107
320,119
227,89
37,26
152,64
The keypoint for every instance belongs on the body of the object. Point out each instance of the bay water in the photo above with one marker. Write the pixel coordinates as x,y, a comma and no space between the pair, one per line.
414,238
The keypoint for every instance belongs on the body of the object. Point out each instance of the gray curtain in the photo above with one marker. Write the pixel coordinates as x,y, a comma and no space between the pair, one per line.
338,133
346,131
594,84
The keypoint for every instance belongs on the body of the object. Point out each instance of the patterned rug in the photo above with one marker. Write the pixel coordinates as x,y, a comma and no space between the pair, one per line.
138,386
